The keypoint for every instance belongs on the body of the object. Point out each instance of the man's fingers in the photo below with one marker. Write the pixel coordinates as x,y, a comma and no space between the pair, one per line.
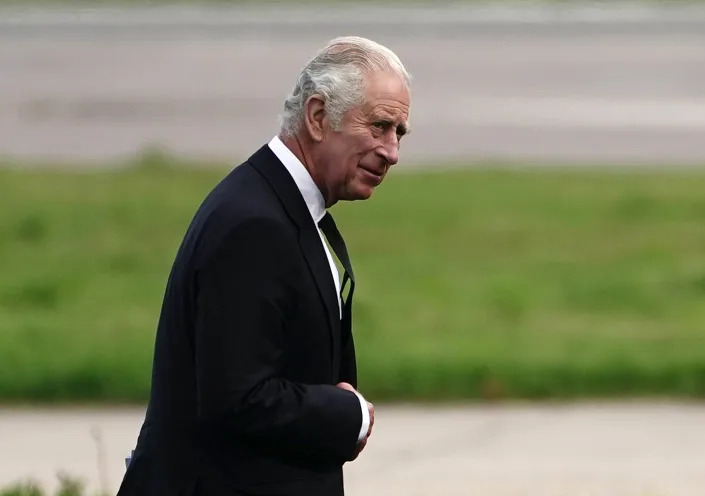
346,386
360,446
370,406
371,409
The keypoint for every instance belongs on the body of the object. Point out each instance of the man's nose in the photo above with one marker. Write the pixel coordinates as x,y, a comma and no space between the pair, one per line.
390,150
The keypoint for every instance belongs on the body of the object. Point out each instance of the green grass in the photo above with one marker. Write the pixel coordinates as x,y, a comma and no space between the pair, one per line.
472,284
68,486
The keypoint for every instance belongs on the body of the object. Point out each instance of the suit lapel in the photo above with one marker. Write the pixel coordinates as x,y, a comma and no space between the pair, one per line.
283,184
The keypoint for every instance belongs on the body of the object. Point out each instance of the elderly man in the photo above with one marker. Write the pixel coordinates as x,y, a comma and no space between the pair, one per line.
254,377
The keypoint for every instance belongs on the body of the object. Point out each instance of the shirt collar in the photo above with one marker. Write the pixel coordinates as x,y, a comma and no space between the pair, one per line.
310,192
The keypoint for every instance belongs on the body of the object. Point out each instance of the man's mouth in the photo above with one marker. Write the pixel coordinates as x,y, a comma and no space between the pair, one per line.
375,176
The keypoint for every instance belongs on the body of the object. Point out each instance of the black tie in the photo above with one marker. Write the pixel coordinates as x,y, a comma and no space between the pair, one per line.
327,225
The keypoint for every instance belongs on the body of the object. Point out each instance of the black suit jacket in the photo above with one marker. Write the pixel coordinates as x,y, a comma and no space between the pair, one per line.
249,348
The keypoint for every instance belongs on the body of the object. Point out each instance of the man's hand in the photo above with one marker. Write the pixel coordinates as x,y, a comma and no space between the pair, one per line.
371,409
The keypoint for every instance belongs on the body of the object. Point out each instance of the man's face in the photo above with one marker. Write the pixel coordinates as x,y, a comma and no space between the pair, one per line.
355,158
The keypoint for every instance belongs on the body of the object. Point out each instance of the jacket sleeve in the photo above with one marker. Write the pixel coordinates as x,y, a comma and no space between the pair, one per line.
245,288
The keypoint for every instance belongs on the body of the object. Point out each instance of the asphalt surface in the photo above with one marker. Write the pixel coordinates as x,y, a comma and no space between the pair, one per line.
601,83
637,449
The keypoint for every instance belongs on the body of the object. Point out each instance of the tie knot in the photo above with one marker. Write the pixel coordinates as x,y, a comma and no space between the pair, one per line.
330,230
327,224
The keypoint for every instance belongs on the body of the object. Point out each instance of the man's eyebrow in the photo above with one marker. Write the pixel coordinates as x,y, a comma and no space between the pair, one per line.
403,127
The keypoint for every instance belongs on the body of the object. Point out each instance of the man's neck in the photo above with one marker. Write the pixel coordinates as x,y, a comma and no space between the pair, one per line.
297,145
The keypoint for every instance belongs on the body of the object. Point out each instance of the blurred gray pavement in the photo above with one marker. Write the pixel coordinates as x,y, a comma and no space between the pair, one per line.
591,449
599,82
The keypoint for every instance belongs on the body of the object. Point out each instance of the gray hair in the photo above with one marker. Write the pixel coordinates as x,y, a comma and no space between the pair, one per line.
337,73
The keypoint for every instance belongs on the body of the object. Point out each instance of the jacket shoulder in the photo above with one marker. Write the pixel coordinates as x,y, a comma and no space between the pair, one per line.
241,201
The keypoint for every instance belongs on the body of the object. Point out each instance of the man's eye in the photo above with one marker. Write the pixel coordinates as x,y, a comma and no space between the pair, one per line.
380,125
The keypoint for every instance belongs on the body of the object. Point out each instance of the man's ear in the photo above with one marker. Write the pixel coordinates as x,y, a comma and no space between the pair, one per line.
315,117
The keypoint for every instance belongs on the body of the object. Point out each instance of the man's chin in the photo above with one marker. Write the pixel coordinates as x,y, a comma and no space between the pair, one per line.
358,190
365,193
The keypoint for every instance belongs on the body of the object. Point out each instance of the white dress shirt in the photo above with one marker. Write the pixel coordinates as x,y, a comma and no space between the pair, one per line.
317,207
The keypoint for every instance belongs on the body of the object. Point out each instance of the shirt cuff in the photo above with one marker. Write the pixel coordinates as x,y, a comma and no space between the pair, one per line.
365,418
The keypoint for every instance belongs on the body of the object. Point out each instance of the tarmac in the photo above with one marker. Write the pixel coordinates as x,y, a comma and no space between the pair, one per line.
583,449
591,83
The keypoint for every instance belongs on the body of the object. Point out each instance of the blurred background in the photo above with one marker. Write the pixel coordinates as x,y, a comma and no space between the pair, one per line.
530,315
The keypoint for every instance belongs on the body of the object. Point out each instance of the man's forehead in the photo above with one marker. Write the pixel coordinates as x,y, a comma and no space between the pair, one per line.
387,88
388,109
